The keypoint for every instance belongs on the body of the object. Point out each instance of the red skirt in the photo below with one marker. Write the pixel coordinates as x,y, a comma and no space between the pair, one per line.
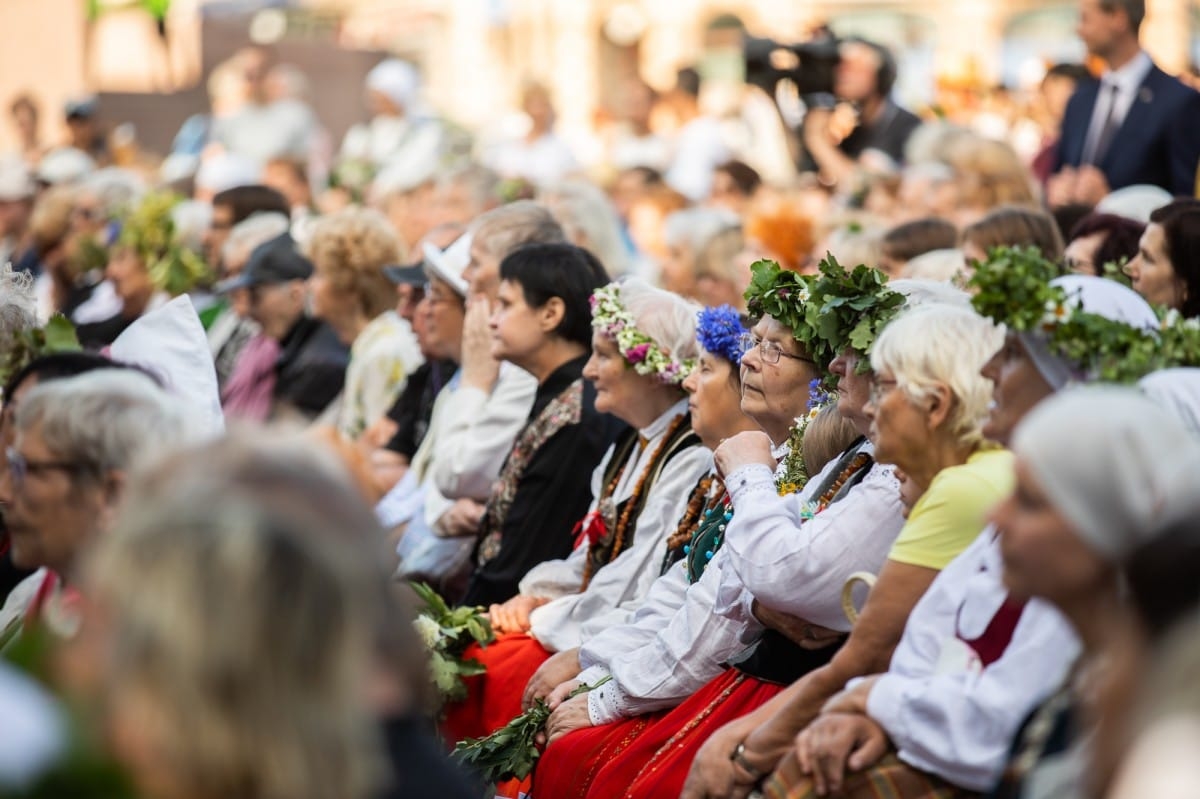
494,698
648,756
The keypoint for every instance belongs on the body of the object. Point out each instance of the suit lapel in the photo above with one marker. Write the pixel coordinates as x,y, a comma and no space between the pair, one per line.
1134,126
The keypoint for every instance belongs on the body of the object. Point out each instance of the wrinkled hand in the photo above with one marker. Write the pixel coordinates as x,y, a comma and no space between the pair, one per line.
802,633
462,519
1084,185
479,369
561,692
513,615
569,716
714,774
561,667
1091,186
836,742
816,128
852,700
742,450
1060,187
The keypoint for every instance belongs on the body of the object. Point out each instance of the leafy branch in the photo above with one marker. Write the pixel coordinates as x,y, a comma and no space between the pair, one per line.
446,633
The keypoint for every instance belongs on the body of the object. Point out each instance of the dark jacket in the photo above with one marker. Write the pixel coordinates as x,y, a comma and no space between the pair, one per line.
311,368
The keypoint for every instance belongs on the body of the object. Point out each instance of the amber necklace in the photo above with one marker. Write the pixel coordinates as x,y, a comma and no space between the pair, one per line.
698,504
634,499
811,509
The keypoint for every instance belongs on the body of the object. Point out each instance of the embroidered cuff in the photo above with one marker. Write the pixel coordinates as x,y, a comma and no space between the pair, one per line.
607,704
751,480
592,674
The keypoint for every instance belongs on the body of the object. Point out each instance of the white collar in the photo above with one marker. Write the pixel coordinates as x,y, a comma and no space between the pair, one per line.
1130,76
659,425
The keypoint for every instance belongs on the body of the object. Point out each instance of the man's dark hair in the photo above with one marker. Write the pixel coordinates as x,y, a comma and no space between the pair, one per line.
246,201
1121,237
743,175
1135,10
886,74
1180,222
571,273
1076,72
907,241
687,80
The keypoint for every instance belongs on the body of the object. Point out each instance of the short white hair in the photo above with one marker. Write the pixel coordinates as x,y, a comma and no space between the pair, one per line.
107,418
589,220
695,227
18,305
663,316
922,291
253,232
940,344
116,189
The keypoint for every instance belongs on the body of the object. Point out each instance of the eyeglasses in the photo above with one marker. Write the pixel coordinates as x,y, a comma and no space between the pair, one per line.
19,466
880,389
769,351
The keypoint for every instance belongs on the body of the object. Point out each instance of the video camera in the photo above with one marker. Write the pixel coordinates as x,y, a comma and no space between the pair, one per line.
809,65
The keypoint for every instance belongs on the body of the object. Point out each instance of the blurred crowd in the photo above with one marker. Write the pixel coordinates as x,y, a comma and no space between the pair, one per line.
660,410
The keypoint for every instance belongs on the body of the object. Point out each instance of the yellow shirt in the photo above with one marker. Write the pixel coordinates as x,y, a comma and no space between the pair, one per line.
949,516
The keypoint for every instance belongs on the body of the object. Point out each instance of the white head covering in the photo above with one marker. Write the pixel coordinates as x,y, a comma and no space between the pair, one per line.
1134,202
395,79
16,182
450,263
1178,391
1113,462
226,171
65,165
1094,295
170,343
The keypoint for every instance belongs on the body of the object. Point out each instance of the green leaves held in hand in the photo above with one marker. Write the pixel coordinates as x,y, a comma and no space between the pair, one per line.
446,633
511,751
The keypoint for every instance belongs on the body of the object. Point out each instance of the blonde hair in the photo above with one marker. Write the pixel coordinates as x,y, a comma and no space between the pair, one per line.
989,172
940,344
246,616
825,438
351,248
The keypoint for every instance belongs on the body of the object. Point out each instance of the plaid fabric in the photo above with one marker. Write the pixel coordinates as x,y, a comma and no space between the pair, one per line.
887,779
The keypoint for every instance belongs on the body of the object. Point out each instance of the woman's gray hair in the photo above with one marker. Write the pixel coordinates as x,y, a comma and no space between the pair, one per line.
251,233
941,344
695,227
18,306
590,221
115,189
663,316
108,419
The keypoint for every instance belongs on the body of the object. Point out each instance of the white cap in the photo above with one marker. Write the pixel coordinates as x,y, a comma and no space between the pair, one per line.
16,181
226,171
65,165
396,80
1134,202
450,263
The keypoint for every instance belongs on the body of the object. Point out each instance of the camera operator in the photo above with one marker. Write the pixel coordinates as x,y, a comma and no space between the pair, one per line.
865,118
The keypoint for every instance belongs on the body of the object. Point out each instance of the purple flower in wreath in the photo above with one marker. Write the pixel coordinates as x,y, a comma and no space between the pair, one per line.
637,354
719,331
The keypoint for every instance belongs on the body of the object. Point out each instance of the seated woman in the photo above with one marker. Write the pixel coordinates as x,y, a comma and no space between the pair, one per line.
1012,226
973,660
643,347
1099,240
146,266
1166,270
542,324
350,291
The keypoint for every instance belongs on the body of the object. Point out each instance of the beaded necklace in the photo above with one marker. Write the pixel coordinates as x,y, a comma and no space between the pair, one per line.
811,509
618,534
697,504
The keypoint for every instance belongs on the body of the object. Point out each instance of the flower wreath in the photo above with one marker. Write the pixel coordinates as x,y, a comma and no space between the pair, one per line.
719,331
1012,287
613,320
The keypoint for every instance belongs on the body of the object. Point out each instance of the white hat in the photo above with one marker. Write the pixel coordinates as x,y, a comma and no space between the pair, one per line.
449,264
401,174
1134,202
16,182
65,165
226,171
395,79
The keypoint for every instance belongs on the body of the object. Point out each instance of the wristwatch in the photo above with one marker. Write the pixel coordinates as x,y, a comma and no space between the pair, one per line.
739,758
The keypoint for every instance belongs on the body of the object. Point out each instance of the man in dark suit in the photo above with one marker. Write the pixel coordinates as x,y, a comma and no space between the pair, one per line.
1136,125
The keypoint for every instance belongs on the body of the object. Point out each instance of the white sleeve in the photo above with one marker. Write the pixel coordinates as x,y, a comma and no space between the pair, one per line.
681,657
666,596
480,430
798,566
959,725
617,589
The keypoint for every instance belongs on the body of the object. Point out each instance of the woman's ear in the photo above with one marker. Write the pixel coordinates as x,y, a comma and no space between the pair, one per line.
551,315
941,402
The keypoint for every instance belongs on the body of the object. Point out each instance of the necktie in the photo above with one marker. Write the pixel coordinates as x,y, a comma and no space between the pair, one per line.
1108,129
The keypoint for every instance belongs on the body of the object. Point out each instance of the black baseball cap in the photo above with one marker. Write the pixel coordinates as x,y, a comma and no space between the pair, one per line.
410,275
276,261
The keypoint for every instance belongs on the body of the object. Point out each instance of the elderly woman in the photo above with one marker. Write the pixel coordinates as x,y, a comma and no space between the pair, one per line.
668,666
542,324
643,347
686,234
973,660
1166,270
1099,470
350,292
147,266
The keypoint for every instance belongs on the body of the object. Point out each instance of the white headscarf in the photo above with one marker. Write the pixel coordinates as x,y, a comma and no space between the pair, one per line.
1094,295
1178,391
1112,461
395,79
